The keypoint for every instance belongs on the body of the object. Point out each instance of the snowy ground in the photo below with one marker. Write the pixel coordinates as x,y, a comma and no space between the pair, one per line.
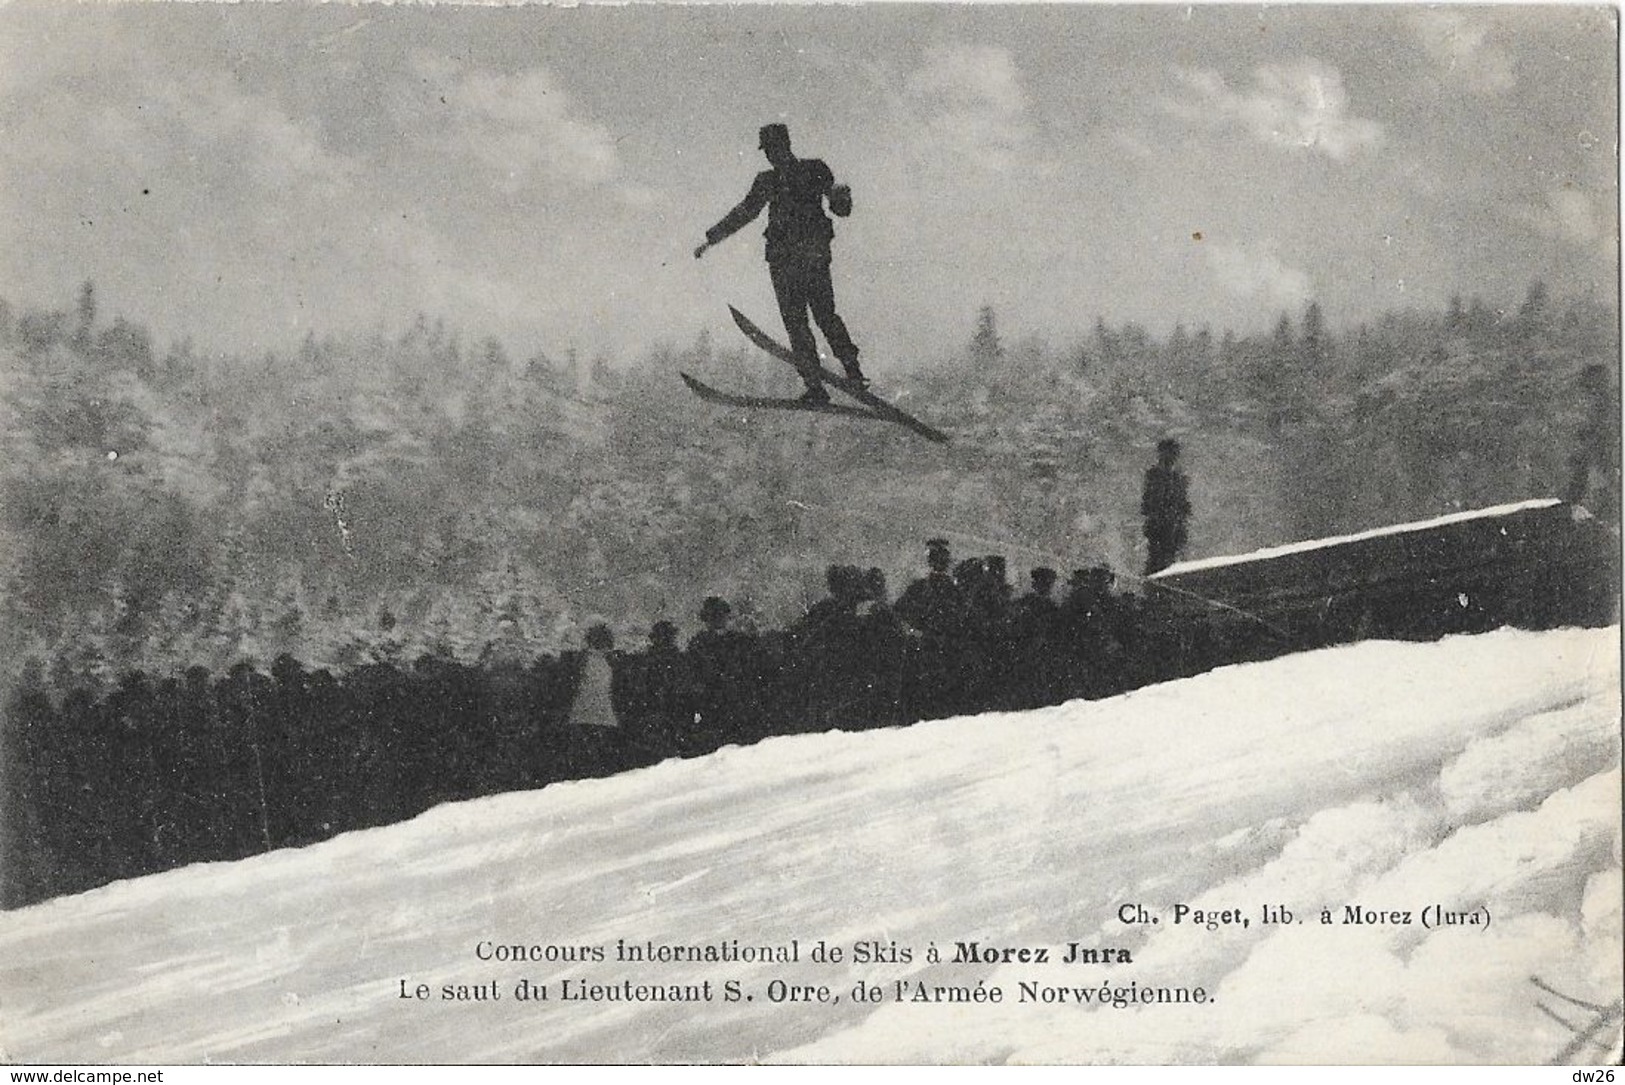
1480,773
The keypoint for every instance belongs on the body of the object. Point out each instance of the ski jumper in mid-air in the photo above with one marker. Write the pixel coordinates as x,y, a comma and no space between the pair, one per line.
798,250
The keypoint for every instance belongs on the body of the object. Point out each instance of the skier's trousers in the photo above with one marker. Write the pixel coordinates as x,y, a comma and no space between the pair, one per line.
801,280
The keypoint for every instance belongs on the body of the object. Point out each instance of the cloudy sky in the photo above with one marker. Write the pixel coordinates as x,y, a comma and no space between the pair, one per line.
244,173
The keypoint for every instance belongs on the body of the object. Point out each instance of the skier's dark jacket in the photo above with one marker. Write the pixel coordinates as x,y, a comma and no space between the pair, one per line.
794,196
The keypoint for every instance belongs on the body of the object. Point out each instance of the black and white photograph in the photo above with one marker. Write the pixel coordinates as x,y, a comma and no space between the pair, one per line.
881,533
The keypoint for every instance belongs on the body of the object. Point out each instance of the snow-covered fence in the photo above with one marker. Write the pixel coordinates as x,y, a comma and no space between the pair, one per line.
1539,564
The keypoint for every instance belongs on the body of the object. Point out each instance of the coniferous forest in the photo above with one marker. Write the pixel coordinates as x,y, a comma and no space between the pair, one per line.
253,601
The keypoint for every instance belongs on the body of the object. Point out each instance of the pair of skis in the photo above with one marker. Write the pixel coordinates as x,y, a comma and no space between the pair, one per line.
873,406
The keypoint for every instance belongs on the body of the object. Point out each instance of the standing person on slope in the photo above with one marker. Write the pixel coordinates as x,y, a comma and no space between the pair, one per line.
1165,504
798,250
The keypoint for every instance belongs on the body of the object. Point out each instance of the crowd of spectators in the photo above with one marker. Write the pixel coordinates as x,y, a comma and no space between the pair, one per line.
165,770
161,771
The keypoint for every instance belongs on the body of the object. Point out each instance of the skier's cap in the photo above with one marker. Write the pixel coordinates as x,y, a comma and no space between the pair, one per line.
1167,444
715,606
773,134
936,544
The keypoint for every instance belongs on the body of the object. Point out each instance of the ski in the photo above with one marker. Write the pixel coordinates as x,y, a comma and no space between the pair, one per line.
880,407
714,395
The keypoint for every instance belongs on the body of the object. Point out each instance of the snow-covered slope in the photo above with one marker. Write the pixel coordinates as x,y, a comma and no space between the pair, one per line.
1481,774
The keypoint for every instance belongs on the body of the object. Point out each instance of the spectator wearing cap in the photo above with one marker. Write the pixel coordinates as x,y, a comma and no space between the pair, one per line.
726,670
1036,630
1092,623
934,606
881,652
661,691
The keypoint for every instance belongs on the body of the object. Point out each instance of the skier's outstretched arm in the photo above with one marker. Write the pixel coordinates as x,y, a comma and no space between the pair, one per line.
751,206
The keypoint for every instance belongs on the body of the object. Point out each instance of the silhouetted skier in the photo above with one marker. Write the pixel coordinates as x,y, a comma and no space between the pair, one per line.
1165,504
798,249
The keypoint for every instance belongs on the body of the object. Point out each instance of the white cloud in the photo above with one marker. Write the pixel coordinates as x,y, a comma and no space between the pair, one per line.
1257,274
972,104
1298,105
222,134
1570,215
1133,143
1574,215
521,127
1462,49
